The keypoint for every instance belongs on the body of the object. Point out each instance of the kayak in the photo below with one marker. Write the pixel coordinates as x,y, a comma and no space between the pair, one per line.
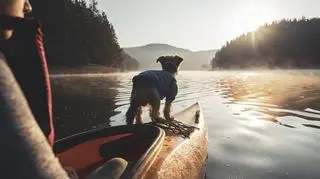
151,151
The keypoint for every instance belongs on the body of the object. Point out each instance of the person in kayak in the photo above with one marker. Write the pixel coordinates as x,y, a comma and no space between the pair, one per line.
150,87
25,98
21,45
25,151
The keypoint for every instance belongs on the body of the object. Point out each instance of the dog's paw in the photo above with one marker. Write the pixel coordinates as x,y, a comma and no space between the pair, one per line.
170,118
158,119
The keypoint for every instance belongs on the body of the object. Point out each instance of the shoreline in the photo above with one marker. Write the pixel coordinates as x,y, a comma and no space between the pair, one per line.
97,69
91,69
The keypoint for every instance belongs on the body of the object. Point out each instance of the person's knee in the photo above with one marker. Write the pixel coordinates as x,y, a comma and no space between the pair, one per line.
112,169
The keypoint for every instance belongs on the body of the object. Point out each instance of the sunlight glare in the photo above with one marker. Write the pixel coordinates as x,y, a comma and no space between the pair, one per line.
248,19
256,123
253,117
245,75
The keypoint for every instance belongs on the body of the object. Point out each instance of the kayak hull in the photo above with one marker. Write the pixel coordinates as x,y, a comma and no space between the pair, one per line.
151,152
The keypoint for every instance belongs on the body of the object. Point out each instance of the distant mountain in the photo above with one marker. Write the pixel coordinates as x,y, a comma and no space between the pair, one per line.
146,56
129,63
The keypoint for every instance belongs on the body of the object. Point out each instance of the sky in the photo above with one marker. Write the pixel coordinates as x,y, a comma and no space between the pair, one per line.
197,24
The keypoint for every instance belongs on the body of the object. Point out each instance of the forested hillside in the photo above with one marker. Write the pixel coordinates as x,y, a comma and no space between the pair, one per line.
77,33
284,44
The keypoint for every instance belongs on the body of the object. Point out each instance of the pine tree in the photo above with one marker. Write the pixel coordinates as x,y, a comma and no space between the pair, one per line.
77,33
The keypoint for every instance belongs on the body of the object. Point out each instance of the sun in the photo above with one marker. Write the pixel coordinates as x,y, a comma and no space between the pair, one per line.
248,19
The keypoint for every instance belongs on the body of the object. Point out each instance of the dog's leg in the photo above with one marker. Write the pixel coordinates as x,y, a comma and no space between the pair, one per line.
132,112
167,111
155,107
139,115
154,111
134,105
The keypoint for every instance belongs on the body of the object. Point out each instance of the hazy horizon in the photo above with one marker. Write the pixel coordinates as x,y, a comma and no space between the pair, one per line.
196,25
155,43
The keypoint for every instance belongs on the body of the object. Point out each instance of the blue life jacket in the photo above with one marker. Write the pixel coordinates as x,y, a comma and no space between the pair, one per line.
165,83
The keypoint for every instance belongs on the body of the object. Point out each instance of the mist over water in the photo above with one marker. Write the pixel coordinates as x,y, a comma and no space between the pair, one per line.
261,124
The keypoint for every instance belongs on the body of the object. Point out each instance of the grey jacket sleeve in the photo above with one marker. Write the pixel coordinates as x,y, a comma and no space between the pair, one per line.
24,151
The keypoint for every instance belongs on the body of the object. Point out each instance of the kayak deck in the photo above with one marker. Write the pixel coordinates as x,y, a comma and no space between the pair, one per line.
179,157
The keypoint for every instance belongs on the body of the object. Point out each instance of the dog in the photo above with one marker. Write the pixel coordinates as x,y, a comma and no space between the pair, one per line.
150,87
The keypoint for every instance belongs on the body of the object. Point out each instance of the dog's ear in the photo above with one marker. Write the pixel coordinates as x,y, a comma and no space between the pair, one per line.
179,60
161,59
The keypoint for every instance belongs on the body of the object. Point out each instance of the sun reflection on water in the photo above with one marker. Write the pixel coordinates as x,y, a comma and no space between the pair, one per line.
264,96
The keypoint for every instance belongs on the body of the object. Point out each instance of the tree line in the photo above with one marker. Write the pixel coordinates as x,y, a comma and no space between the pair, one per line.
77,33
282,44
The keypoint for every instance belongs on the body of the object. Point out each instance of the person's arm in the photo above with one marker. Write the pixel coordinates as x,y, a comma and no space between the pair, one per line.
24,151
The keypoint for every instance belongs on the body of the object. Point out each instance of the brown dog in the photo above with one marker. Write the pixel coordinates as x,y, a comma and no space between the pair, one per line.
150,87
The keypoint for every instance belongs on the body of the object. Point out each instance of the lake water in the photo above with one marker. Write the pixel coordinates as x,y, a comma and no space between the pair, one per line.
261,124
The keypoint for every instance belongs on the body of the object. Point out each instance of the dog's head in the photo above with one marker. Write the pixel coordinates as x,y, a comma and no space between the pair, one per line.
170,63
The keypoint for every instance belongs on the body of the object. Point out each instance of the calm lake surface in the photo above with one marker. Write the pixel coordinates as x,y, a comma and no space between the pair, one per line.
261,124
